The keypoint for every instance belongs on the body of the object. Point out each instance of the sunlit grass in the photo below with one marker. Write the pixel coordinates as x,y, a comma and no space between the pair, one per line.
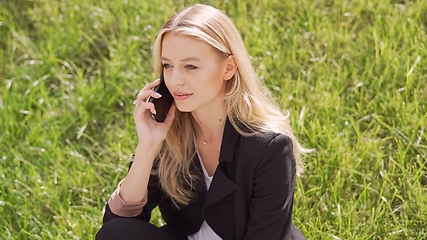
352,74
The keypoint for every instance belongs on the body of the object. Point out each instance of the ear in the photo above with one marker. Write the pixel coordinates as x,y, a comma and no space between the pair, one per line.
230,67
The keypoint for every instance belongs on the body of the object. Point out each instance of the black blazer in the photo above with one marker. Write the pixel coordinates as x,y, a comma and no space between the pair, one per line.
250,197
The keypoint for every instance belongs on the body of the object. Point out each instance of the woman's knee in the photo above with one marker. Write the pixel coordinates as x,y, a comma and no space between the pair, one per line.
130,229
121,228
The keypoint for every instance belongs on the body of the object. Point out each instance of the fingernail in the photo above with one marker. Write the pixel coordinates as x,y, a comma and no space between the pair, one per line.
158,94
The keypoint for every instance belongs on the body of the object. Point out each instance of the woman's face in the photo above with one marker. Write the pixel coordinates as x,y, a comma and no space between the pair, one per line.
194,73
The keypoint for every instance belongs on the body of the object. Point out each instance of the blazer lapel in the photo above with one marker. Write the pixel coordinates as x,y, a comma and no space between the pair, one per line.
220,188
196,169
222,183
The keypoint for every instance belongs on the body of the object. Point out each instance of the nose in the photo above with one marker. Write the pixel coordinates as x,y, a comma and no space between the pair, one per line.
174,77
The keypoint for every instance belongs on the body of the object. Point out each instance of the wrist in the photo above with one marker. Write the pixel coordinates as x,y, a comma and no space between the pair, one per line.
148,151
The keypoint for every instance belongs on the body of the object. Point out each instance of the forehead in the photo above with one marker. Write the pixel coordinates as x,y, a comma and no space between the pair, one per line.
177,47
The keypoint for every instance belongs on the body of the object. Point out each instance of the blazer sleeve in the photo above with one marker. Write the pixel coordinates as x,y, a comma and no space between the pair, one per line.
270,209
152,202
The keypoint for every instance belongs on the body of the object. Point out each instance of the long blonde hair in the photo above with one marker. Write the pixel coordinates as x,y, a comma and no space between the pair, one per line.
247,100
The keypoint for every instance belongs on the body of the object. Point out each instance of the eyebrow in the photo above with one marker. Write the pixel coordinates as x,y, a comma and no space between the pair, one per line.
183,60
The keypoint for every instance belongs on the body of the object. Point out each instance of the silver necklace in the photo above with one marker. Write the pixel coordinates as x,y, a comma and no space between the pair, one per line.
207,142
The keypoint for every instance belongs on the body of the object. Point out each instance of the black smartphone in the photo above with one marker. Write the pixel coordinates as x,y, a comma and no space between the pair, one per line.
162,104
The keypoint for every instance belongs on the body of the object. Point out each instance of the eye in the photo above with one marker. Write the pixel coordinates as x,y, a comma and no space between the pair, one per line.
190,67
165,65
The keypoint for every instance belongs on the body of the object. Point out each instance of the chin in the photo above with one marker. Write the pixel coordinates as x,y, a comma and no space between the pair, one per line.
183,108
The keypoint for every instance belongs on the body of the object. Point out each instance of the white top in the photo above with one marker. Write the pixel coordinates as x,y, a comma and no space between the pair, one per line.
205,232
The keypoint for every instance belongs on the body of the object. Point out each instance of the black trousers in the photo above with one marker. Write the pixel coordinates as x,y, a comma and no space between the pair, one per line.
135,229
132,229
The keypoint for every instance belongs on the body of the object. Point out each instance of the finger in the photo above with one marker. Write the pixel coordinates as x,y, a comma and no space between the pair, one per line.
147,91
143,106
143,97
150,85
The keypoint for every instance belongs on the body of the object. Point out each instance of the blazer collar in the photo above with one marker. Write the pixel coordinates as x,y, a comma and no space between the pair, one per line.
229,142
225,168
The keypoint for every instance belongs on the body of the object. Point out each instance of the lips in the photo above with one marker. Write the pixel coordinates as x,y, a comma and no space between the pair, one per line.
179,96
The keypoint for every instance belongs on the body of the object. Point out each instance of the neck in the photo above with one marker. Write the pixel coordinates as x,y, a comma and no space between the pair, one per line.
209,127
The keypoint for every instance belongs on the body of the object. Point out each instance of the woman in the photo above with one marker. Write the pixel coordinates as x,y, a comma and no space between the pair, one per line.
223,164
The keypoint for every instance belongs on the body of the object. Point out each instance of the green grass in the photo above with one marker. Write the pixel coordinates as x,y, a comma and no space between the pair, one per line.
353,75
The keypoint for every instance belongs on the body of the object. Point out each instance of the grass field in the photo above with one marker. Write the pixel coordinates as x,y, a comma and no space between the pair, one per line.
353,75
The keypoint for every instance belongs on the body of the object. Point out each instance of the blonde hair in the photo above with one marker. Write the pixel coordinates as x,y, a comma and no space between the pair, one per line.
246,99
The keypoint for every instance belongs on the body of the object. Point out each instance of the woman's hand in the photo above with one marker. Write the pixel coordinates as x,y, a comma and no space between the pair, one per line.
150,132
150,137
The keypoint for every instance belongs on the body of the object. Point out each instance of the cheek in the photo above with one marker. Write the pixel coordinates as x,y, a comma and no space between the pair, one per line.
216,74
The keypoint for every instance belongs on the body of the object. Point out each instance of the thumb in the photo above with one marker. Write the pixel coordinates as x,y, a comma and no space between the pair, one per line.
171,115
